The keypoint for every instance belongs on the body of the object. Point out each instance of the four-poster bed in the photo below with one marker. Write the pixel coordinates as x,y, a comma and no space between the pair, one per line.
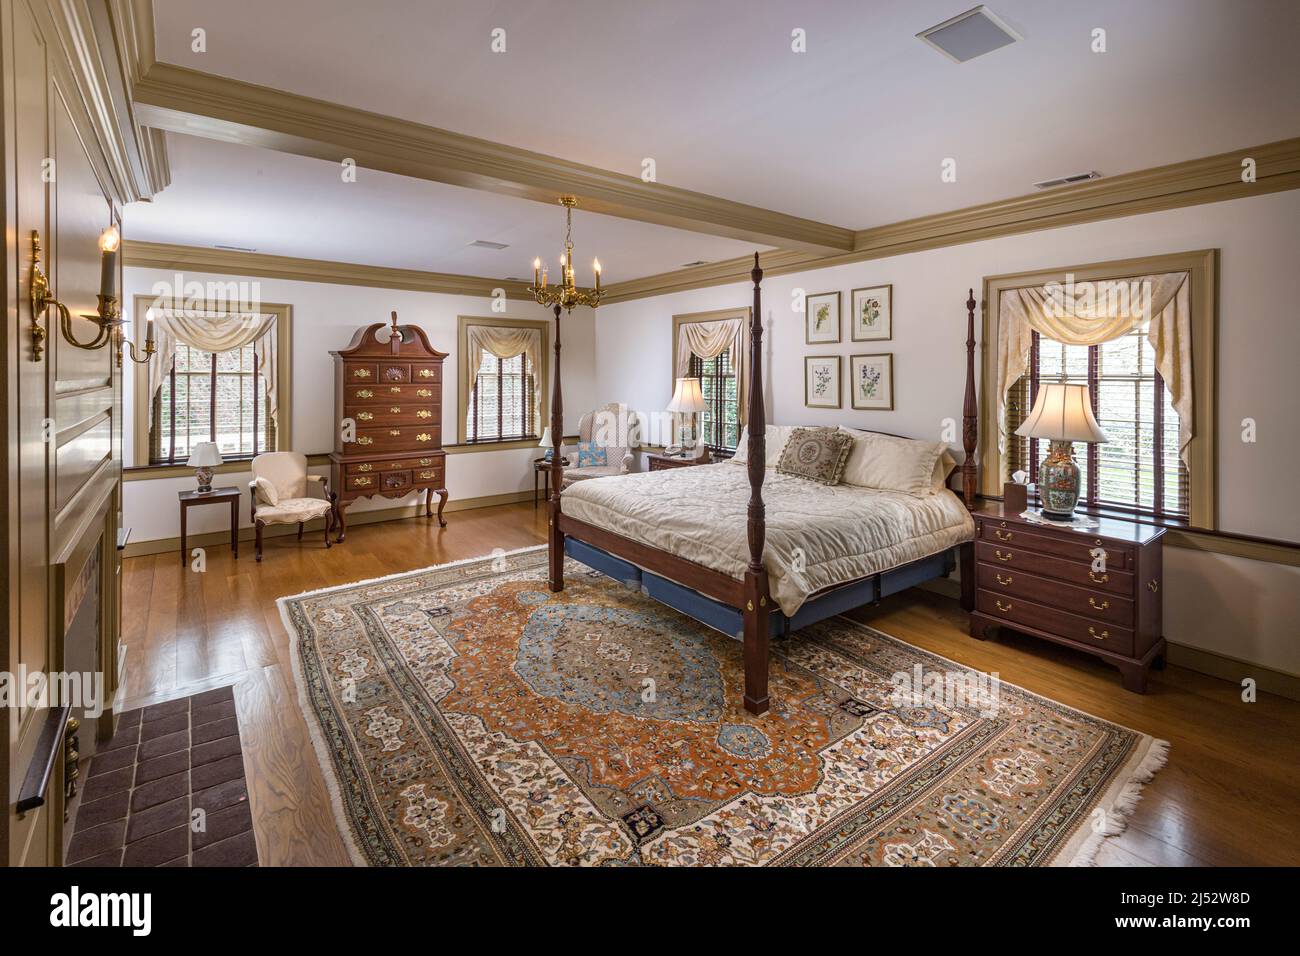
742,602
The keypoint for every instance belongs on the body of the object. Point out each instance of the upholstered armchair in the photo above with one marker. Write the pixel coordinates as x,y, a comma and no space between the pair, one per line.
282,492
610,428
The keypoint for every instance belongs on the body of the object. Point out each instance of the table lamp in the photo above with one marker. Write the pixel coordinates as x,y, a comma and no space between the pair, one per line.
203,458
1062,415
687,400
548,443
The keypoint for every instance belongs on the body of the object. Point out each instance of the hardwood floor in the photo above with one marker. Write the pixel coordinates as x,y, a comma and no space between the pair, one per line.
1230,793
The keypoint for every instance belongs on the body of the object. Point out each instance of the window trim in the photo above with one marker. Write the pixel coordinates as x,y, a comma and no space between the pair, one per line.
284,376
1202,267
739,363
463,385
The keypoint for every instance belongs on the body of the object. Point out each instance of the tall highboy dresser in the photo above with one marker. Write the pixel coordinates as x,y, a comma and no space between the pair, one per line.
388,410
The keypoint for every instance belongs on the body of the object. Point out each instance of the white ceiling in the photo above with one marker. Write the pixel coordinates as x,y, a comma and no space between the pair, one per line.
853,132
286,205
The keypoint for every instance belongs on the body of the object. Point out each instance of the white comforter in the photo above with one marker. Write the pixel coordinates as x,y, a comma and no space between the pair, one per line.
818,536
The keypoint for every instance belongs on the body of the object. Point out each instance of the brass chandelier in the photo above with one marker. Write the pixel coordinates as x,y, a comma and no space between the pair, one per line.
566,295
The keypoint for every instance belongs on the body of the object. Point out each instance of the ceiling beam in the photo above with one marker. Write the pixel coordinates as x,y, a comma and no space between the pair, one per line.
181,100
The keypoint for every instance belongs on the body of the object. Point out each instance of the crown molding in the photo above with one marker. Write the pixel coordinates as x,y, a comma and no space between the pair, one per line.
158,255
1208,179
181,100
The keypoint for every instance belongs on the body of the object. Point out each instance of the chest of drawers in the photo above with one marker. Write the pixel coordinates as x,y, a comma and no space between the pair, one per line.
388,410
1097,590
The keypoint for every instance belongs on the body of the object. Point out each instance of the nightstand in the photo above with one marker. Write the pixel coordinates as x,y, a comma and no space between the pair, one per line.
1097,590
660,462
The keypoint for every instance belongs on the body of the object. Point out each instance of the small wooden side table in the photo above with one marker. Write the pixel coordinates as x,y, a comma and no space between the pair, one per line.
542,466
660,462
228,494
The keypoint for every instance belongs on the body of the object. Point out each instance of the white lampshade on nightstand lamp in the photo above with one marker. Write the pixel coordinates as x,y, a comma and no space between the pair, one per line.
547,442
203,458
688,399
1062,415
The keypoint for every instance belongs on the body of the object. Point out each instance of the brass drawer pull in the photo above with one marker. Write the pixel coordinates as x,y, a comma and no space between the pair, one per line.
425,462
1003,557
394,409
395,389
1005,582
365,393
366,467
424,392
1153,586
362,482
365,440
365,416
423,437
1003,607
1101,637
361,373
1100,579
426,373
1001,536
1100,607
426,474
424,413
394,432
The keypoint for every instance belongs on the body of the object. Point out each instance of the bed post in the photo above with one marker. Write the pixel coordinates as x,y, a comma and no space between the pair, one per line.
970,442
756,608
555,539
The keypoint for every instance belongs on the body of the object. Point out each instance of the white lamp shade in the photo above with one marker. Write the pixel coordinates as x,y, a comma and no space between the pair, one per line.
204,455
1062,413
687,397
546,441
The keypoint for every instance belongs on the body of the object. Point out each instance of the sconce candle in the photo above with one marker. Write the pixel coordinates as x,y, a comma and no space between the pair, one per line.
109,240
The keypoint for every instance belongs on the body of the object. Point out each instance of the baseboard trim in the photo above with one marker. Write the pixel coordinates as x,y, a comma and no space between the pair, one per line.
222,538
1232,669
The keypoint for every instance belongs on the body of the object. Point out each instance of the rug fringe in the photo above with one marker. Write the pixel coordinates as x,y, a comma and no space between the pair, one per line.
1117,804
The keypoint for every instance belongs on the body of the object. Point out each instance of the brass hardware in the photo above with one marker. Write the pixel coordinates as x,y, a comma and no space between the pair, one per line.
394,409
749,605
762,602
1003,557
395,389
365,416
424,392
1100,580
1003,537
361,373
1153,586
365,393
426,462
1101,637
366,467
39,298
426,474
426,373
566,294
394,432
394,373
1100,607
1002,524
362,482
1002,607
365,440
107,318
1097,542
1005,582
71,755
423,437
424,413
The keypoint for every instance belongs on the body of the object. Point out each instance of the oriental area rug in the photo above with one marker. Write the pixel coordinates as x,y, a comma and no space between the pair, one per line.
465,715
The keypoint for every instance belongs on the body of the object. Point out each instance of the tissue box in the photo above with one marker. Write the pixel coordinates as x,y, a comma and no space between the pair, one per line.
1015,497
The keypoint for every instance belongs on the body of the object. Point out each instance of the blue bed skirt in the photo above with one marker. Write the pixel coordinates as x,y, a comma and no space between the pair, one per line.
728,620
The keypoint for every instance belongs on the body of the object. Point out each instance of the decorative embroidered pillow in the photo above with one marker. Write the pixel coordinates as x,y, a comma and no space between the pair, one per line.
590,454
817,454
268,491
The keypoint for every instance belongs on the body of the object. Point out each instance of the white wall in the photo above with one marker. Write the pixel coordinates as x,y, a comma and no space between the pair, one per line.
1258,351
325,317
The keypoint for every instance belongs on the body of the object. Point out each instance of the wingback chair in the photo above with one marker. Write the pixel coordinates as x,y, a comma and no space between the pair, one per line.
282,492
610,428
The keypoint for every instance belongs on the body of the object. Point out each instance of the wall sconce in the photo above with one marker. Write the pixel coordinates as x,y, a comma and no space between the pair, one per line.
109,317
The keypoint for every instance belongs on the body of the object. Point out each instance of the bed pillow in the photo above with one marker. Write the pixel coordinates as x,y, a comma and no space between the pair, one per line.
894,464
590,455
945,464
777,436
818,454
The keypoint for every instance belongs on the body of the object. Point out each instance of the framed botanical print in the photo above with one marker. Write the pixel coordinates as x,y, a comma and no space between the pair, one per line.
822,318
871,382
873,313
821,381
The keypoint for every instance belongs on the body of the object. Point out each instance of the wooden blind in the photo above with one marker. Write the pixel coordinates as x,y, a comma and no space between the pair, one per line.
211,396
719,423
502,405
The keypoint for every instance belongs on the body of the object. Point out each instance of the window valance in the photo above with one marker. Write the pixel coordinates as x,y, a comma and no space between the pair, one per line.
1089,313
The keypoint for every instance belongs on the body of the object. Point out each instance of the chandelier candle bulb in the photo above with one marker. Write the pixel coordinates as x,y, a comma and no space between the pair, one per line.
595,265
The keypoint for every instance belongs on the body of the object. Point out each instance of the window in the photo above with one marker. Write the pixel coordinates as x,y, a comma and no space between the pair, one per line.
1139,469
502,404
719,423
211,396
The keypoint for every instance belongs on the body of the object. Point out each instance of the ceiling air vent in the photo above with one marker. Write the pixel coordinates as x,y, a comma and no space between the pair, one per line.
1067,180
484,244
697,262
969,35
